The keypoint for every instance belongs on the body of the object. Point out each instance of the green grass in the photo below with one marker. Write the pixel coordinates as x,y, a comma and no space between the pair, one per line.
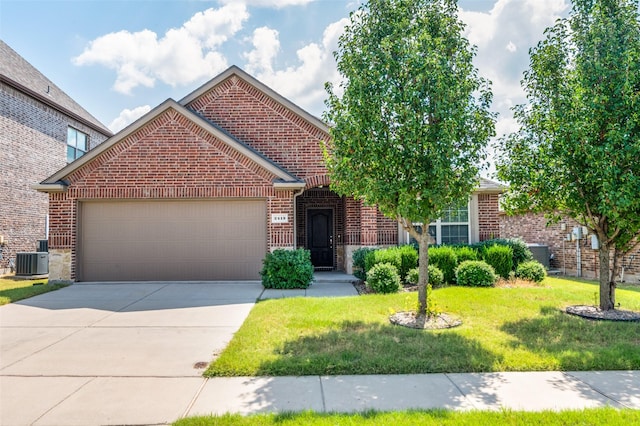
599,416
12,290
504,329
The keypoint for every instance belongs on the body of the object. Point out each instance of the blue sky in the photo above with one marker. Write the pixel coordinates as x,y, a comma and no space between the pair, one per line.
120,58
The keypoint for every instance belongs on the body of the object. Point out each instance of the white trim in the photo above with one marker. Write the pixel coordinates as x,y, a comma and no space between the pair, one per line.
49,187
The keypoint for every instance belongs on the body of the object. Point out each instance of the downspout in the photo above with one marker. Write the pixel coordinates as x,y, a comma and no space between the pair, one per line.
295,217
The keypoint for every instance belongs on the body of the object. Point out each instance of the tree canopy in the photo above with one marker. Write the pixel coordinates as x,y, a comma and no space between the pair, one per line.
578,148
411,118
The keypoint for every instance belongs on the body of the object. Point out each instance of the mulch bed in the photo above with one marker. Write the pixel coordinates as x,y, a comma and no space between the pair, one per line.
410,319
432,322
595,313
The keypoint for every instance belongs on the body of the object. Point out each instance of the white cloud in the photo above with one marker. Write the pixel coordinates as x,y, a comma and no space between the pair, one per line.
278,4
181,56
304,82
504,36
128,116
266,47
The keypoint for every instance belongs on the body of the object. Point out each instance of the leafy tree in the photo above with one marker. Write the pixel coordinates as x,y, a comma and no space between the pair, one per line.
578,149
411,118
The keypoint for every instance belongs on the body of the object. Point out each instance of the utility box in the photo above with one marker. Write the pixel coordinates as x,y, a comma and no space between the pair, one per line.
36,263
540,253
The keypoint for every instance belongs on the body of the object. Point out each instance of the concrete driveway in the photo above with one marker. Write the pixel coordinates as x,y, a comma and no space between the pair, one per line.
114,353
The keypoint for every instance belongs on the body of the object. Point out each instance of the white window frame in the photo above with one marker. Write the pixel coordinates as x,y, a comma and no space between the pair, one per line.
439,223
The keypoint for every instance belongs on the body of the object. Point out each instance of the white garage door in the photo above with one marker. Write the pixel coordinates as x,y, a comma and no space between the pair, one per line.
172,240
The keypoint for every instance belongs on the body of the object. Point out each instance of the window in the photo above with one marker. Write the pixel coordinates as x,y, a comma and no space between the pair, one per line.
452,228
77,143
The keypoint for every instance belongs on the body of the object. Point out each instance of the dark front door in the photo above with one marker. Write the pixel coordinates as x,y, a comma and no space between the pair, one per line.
320,237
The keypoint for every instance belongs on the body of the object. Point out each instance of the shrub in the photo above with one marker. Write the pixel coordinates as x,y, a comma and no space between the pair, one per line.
408,259
382,256
383,278
466,253
287,269
413,276
476,273
531,270
358,257
436,277
445,259
521,252
501,258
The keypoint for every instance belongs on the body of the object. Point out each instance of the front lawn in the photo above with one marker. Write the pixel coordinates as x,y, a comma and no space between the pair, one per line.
589,417
504,329
12,289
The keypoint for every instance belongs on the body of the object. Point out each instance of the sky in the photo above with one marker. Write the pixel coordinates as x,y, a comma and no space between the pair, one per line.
120,58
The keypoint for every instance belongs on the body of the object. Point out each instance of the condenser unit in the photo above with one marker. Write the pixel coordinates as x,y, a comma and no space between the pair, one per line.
32,263
43,245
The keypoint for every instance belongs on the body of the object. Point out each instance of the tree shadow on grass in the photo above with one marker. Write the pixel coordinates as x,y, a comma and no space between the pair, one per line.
576,343
356,347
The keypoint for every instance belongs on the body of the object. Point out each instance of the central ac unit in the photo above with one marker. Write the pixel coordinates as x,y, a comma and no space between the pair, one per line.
32,263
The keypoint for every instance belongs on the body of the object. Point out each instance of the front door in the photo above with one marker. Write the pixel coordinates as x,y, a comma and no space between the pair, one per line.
320,237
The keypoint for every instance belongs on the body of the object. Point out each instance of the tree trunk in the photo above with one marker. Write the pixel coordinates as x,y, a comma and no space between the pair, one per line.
607,279
423,272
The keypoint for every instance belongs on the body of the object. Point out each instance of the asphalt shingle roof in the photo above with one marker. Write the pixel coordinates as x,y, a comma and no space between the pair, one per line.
16,69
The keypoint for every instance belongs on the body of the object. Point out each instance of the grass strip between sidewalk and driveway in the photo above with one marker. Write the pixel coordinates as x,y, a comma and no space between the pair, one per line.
588,417
12,289
504,329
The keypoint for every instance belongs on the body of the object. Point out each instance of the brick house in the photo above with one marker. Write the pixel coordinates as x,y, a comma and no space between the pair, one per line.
571,255
203,188
41,129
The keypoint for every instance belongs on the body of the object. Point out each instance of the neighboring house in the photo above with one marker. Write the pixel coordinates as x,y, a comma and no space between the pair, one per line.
41,129
203,188
570,255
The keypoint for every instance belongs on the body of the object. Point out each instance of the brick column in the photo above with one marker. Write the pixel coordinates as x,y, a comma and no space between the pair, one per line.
368,226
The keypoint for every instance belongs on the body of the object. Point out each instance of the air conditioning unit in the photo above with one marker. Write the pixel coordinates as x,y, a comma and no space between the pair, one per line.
32,263
43,245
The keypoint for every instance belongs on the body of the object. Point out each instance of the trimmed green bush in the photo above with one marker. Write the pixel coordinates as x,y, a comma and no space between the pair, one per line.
408,259
501,258
436,277
466,253
444,257
521,252
383,256
413,276
358,257
383,278
287,269
476,273
531,270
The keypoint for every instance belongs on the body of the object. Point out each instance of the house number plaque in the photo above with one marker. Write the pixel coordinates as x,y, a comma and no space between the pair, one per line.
279,218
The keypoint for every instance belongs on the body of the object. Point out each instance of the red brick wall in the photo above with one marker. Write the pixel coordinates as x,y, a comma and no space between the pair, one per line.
169,157
533,229
488,216
259,121
32,147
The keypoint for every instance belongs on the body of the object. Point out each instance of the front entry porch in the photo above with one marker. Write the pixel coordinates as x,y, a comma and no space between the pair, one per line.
331,227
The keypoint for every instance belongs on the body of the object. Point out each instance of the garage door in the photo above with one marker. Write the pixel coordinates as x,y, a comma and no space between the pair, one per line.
172,240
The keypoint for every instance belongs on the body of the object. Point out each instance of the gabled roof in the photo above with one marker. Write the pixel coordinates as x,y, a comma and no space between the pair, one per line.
20,74
490,186
239,73
284,180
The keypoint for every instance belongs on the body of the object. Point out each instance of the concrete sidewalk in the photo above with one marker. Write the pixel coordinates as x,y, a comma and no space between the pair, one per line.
461,391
